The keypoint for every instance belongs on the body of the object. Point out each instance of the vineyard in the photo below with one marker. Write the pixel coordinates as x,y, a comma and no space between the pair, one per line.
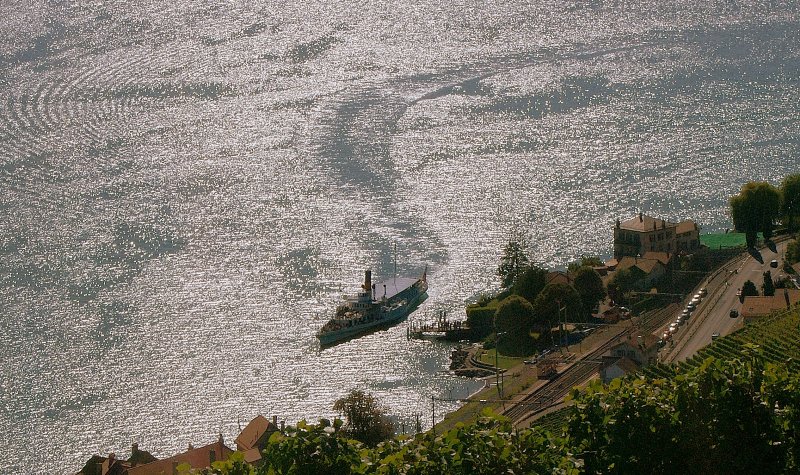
777,337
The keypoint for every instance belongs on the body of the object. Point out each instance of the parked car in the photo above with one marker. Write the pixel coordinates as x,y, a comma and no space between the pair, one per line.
734,313
773,263
691,307
703,292
695,301
714,336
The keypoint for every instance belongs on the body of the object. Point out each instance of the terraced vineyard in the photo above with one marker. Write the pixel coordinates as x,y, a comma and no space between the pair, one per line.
777,336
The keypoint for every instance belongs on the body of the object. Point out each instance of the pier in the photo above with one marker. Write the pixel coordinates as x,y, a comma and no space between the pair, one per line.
442,328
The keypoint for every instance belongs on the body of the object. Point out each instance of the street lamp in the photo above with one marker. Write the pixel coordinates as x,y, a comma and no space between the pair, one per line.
496,367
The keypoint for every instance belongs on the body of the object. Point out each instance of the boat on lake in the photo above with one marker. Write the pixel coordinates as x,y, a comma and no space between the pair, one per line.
375,305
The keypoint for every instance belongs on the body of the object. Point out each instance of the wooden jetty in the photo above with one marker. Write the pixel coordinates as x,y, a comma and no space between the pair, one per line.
442,329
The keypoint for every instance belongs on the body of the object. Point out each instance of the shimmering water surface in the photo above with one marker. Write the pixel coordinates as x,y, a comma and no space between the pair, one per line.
189,187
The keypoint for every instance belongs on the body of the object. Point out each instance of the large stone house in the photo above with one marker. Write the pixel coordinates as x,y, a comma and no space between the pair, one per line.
642,233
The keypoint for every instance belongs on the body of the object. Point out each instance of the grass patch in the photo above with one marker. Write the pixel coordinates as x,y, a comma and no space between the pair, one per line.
503,362
724,240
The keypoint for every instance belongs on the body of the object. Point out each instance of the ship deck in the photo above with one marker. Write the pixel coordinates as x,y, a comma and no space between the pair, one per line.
393,287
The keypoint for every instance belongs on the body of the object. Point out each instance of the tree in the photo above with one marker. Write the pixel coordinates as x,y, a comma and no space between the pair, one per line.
755,209
590,287
792,252
513,262
591,261
513,321
556,302
366,418
790,203
623,281
530,282
749,289
768,287
310,449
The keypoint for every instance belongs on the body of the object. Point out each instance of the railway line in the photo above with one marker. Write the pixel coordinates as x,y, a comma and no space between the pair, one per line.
554,390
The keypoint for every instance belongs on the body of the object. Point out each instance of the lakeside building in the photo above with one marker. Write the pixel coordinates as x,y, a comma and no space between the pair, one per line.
642,233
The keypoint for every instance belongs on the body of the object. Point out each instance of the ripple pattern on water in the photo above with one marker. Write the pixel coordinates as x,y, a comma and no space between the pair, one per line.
189,188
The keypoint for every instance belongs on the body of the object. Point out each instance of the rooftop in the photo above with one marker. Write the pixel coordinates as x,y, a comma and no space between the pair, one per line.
645,265
249,436
648,340
644,223
686,226
762,306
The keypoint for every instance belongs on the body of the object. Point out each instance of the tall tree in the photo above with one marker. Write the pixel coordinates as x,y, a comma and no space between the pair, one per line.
591,261
513,321
793,252
366,418
749,289
755,209
790,204
623,281
768,287
556,302
530,282
590,287
514,261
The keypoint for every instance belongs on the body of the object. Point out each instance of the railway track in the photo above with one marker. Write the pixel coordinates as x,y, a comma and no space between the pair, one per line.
582,369
557,388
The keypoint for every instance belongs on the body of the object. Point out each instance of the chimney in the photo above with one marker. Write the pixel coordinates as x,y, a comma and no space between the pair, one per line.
283,423
367,279
134,448
663,223
640,217
191,447
275,421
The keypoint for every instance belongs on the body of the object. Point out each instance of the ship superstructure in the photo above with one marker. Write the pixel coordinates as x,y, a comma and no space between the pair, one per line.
374,305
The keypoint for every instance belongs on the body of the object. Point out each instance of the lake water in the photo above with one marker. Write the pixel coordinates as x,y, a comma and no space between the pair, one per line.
188,188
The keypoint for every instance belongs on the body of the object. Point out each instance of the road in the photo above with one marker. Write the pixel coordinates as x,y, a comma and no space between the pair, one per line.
713,313
711,316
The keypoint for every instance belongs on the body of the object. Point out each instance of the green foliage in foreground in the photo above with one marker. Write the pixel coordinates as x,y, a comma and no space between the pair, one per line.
736,416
